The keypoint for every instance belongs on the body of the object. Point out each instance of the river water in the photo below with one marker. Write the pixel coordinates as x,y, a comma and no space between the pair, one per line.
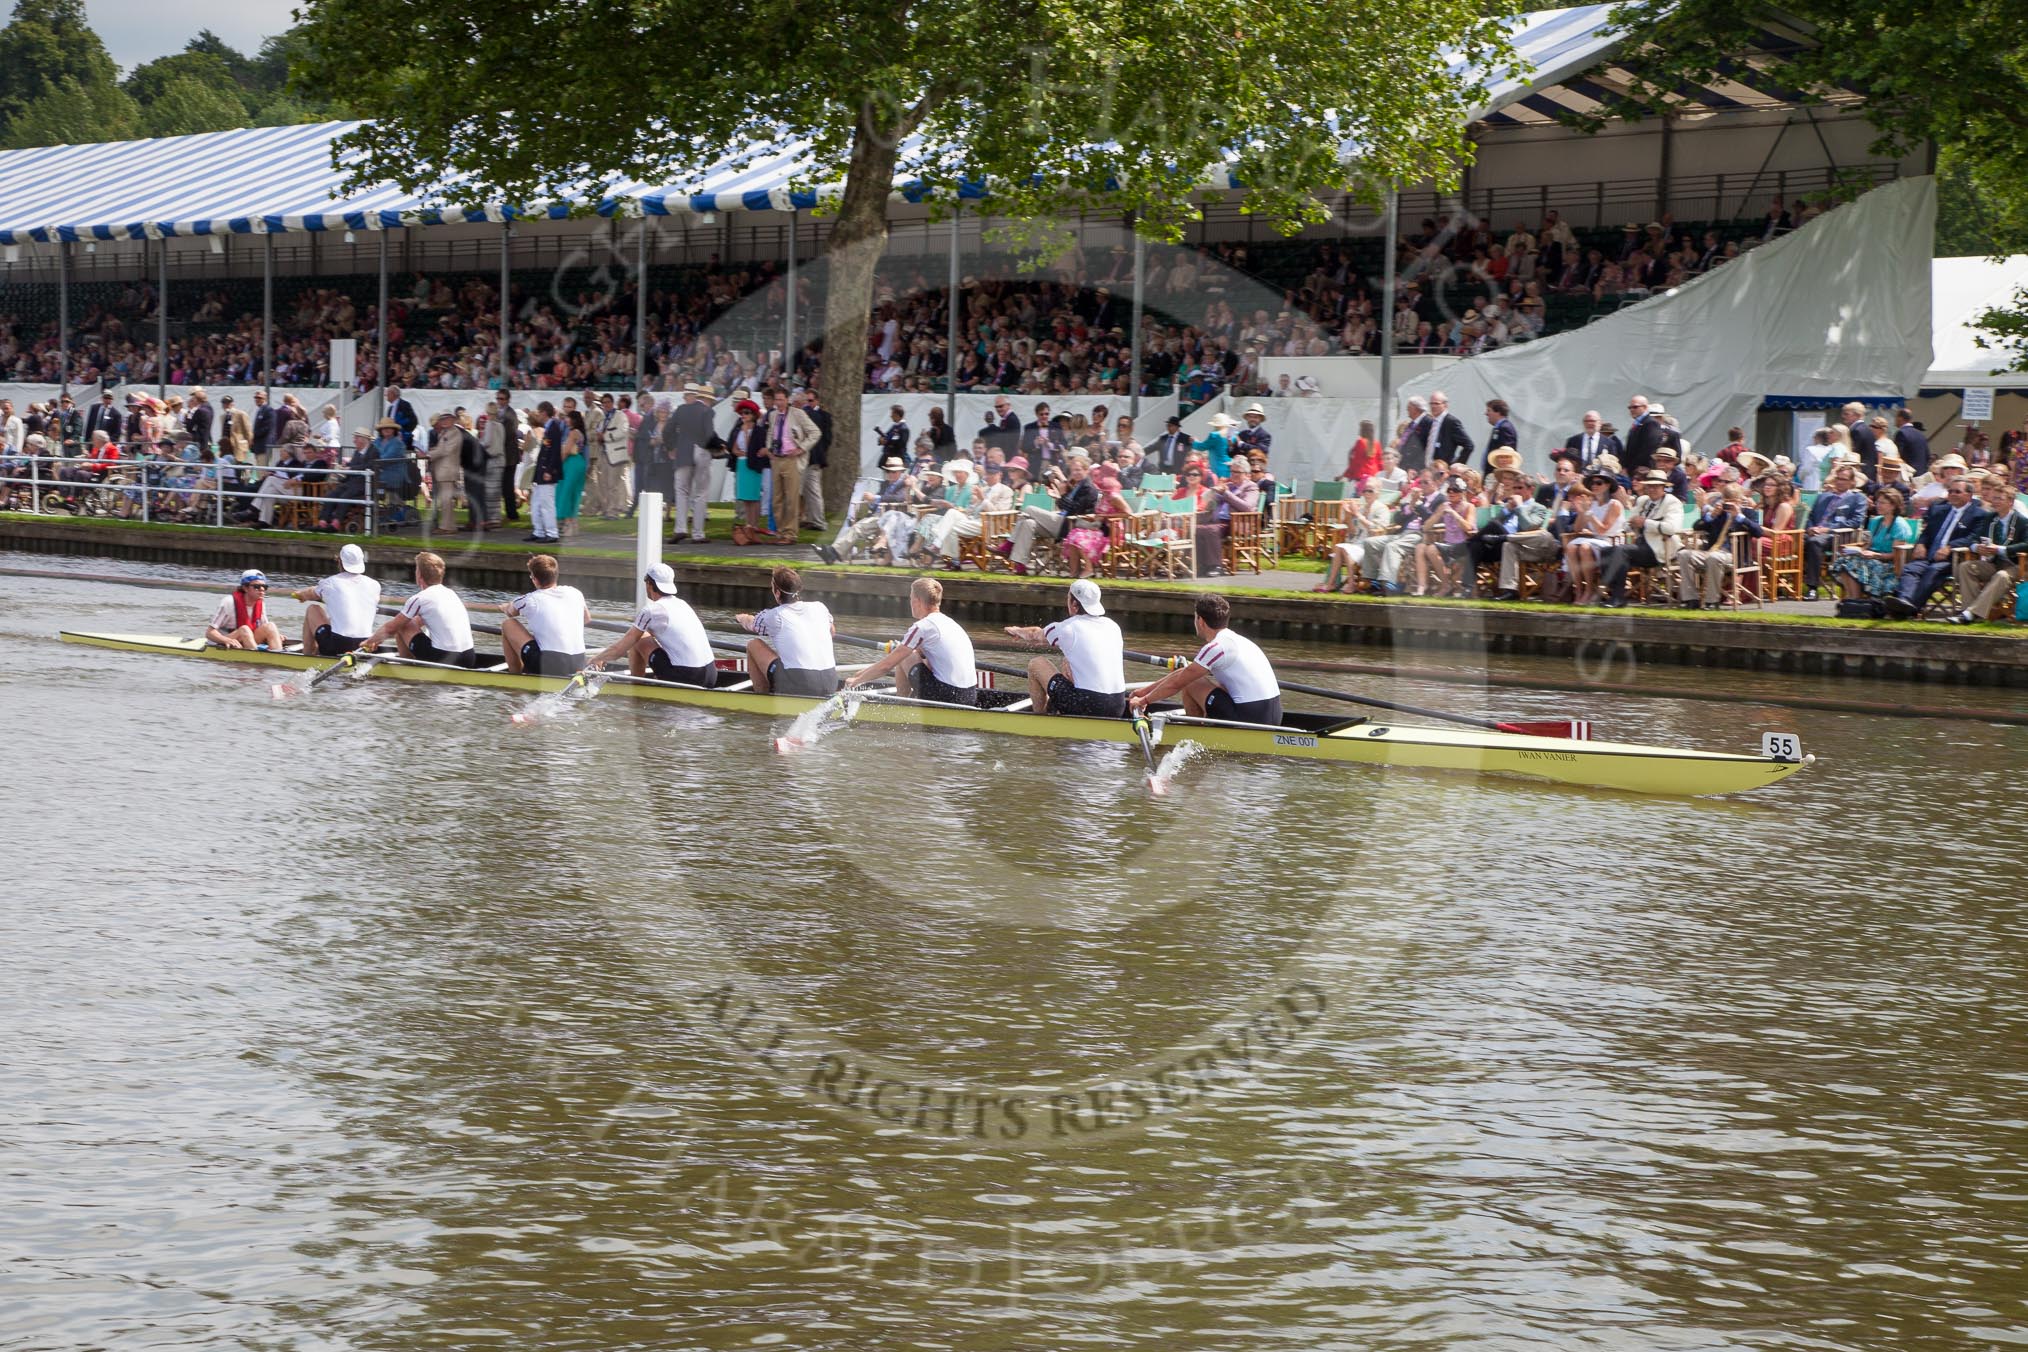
371,1019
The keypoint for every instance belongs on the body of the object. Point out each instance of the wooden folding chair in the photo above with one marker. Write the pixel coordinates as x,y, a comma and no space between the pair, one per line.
993,528
1783,559
1170,540
1243,544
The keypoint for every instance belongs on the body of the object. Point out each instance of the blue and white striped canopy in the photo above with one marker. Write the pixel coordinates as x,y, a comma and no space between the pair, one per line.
272,180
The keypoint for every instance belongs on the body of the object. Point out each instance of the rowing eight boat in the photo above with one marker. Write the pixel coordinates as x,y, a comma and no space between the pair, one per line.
1604,765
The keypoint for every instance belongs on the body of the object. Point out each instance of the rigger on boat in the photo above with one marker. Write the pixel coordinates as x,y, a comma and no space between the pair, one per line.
1227,697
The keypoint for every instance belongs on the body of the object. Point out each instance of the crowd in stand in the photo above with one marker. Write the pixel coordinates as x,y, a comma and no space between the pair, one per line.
1867,508
1211,317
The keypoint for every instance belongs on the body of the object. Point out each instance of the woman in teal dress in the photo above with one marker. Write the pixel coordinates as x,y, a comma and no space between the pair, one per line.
1217,446
1869,569
570,491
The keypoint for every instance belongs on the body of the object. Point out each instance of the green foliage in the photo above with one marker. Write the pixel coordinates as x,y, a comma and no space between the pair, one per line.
148,82
70,114
1051,102
185,104
45,43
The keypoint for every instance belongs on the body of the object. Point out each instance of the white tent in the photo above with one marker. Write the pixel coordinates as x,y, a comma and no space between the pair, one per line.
1838,309
1961,289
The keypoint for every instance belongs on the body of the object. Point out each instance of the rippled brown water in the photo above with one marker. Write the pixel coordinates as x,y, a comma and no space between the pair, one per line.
368,1020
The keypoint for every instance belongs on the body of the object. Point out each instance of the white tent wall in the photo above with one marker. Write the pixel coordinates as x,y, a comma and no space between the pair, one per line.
1839,308
24,394
1962,289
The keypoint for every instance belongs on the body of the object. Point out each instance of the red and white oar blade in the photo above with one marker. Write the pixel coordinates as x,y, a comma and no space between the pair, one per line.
1575,729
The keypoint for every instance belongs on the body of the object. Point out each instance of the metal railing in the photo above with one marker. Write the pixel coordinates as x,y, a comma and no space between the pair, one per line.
152,490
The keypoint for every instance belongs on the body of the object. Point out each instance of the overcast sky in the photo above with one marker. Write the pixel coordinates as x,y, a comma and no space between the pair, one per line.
141,30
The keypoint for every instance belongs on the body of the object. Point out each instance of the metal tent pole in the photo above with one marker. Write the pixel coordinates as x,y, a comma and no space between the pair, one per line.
506,237
268,314
789,318
1385,426
641,306
380,331
162,326
951,331
63,314
1134,336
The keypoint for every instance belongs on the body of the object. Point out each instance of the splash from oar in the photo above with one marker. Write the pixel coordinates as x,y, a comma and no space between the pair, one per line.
814,725
1179,756
305,681
581,687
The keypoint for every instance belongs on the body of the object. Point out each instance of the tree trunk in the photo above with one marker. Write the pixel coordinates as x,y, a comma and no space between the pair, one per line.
858,239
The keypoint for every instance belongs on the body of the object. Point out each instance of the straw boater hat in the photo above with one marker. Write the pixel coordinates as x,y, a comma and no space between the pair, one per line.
1655,476
1252,409
960,465
894,462
700,390
387,422
1504,458
1753,463
1889,460
1952,461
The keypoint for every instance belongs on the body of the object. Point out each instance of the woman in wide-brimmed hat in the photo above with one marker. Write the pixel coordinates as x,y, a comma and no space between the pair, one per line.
749,465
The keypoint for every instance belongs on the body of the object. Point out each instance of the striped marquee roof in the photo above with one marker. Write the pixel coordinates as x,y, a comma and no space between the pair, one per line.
270,180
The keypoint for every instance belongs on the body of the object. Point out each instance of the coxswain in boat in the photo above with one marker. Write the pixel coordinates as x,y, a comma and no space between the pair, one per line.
341,607
1093,683
1229,679
241,620
793,655
666,641
934,659
543,634
433,625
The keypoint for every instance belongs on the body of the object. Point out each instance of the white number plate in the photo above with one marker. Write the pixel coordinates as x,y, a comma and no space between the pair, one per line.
1781,746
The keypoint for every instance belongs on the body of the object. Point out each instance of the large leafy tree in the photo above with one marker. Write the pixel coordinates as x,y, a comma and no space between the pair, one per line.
73,114
1120,105
1950,72
46,45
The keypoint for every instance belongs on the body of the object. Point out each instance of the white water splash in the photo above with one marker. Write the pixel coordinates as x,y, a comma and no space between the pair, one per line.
1178,756
558,702
298,684
814,725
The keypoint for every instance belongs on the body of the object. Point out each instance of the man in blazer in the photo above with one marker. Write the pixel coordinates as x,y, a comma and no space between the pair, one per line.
820,456
1951,524
1415,440
790,434
267,427
235,430
1841,506
1504,434
1989,571
1448,439
104,416
1172,448
392,405
1003,426
197,419
1594,441
1655,534
1911,441
1863,437
693,436
1645,432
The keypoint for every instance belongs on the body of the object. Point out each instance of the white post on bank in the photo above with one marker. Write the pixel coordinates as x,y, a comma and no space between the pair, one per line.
647,543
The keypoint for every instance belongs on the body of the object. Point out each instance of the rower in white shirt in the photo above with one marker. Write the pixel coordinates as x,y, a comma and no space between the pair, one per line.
1230,678
433,625
666,641
934,660
1093,683
543,634
342,607
793,655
